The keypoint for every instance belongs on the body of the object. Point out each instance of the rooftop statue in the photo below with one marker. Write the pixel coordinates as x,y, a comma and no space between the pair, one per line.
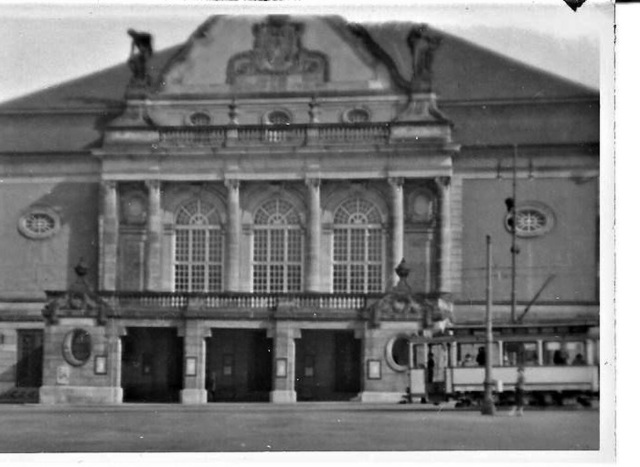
141,51
423,43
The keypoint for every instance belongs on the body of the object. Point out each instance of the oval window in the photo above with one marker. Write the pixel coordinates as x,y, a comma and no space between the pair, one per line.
532,219
39,223
76,347
397,352
278,117
357,115
200,119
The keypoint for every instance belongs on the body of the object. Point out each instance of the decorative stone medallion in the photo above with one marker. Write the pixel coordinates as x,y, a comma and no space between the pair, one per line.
76,347
39,223
533,219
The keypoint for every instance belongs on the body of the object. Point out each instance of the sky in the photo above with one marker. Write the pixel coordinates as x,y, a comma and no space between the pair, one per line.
44,43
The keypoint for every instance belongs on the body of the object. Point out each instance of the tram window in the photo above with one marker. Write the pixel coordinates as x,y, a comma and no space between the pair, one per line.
520,353
468,354
564,353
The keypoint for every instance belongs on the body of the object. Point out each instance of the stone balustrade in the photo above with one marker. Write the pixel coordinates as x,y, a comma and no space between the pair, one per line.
372,133
236,301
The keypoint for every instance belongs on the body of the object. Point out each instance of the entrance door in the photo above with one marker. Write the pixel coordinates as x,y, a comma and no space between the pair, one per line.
238,365
327,365
29,366
152,365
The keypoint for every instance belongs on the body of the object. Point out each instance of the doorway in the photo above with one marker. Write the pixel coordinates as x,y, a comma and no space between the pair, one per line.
152,365
328,365
239,365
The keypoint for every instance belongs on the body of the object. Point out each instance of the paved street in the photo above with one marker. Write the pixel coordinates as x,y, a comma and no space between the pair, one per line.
301,427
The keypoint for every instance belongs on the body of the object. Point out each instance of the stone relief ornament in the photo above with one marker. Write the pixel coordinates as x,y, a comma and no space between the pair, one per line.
277,50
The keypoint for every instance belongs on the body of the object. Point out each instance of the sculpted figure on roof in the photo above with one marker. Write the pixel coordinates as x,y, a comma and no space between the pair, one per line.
141,51
423,43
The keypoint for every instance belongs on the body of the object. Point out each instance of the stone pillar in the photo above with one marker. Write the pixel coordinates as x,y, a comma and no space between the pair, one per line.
114,355
444,227
109,236
314,232
232,269
397,241
284,362
153,259
194,368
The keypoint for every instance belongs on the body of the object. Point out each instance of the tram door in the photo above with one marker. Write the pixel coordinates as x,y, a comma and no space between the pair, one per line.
436,368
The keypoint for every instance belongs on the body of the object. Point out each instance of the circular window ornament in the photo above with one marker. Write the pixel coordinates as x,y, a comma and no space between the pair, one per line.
532,220
39,223
200,119
278,117
76,347
357,115
397,352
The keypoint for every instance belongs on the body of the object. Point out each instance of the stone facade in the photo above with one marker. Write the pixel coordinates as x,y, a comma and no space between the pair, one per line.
264,186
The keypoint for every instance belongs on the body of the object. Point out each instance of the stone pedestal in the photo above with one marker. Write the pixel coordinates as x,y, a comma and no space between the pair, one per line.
91,379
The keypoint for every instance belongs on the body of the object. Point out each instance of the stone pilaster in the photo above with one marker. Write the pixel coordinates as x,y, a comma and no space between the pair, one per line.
444,231
194,390
153,259
312,277
397,206
109,236
232,269
284,362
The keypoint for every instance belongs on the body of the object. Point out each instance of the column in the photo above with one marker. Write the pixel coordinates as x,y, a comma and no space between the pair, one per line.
312,277
444,190
232,269
153,259
284,363
397,206
195,351
109,236
114,334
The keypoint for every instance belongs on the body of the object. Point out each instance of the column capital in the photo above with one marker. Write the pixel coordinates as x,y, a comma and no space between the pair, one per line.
442,182
152,184
232,183
396,182
108,185
312,182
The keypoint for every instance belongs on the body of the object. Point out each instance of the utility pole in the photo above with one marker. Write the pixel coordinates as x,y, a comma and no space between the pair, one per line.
512,208
488,408
514,248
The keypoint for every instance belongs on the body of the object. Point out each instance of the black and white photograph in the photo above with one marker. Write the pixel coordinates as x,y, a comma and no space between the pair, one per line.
365,231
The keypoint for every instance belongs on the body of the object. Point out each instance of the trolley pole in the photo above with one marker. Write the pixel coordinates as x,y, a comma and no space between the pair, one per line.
488,408
514,247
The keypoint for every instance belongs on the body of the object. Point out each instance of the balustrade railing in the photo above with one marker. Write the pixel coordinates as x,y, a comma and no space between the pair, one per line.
179,300
372,133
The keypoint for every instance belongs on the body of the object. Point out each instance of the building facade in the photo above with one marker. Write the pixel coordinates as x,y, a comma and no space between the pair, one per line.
279,209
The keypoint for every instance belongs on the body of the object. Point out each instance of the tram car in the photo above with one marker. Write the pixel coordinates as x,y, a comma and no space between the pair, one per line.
561,363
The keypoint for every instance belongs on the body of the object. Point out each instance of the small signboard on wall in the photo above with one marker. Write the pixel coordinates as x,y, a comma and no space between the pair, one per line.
62,375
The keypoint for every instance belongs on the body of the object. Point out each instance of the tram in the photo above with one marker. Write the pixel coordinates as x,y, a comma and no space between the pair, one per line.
560,362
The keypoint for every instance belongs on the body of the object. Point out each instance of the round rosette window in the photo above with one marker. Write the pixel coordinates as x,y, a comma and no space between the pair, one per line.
533,219
39,223
76,347
397,352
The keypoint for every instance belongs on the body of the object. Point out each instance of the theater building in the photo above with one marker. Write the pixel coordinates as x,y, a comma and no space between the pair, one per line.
227,220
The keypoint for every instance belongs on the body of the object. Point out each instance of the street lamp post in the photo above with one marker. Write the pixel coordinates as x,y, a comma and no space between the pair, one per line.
488,407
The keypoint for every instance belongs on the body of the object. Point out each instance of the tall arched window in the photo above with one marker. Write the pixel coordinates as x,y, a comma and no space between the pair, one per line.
277,248
198,248
358,247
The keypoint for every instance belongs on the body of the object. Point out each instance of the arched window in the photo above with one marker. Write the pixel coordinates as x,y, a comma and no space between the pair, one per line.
277,248
198,248
358,247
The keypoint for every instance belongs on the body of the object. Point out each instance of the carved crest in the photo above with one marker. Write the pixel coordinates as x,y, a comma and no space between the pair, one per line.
277,51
